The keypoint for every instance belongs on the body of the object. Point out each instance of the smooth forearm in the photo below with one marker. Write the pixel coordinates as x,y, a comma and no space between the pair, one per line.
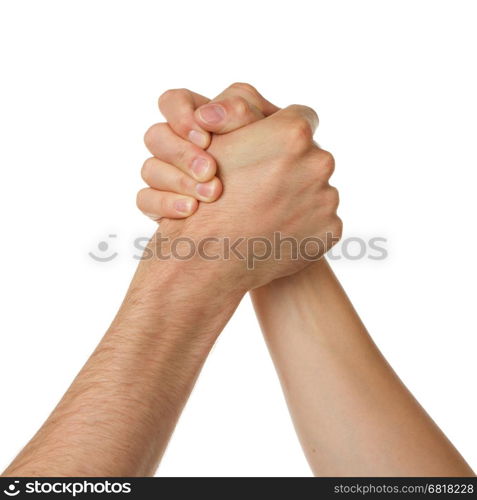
352,413
119,413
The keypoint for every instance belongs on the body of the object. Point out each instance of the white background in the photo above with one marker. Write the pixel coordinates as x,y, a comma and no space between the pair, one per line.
394,84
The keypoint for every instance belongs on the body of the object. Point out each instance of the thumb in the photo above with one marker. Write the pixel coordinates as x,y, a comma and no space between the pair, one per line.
238,106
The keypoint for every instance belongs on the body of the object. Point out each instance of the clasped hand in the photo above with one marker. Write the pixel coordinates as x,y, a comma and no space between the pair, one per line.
260,167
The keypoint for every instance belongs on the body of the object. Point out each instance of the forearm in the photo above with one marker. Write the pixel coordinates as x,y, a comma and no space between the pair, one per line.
352,413
119,413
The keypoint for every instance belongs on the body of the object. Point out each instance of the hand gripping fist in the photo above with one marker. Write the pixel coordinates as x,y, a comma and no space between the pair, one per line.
277,205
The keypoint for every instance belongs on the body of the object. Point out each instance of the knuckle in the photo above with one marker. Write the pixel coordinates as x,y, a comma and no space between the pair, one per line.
184,184
162,205
169,95
146,169
153,134
298,135
244,86
148,136
326,164
182,154
240,106
305,111
333,198
336,228
166,97
140,198
175,104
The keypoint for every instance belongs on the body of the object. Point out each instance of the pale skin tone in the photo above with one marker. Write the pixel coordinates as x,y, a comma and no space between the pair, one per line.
120,411
353,415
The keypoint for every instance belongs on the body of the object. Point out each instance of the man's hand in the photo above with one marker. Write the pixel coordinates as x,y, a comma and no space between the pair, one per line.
270,167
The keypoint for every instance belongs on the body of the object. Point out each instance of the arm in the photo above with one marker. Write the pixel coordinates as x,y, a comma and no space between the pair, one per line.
353,415
120,411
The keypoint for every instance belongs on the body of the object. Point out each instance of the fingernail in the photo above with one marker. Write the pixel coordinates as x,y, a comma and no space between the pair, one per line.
183,206
212,113
198,138
200,166
205,189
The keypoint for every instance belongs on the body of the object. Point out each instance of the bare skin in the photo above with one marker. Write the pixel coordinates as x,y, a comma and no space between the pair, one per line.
353,415
120,411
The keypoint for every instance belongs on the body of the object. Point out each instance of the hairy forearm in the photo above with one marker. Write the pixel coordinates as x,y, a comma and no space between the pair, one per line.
120,411
353,415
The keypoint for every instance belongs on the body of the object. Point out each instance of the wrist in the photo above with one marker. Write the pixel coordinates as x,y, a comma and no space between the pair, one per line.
177,298
205,246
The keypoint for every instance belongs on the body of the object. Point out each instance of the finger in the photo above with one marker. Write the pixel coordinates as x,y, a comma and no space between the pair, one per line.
298,117
166,145
288,131
238,106
178,106
251,94
156,204
226,115
165,177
